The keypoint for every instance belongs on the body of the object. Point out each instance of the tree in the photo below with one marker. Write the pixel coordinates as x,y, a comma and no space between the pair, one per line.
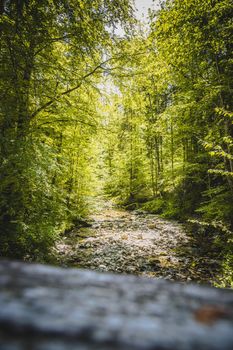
48,50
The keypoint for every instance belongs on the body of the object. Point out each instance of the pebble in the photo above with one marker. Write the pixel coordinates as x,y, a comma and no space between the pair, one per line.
135,243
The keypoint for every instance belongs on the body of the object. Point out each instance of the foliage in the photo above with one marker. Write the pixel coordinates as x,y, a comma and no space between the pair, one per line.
143,118
154,206
180,82
52,53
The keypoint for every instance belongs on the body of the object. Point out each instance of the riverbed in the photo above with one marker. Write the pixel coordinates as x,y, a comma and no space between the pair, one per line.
139,243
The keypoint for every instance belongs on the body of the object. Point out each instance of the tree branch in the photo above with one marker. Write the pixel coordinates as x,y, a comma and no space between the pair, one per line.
50,102
93,71
67,121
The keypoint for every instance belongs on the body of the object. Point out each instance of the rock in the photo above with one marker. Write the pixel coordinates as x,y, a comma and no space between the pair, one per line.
47,308
79,222
102,267
152,226
131,268
116,235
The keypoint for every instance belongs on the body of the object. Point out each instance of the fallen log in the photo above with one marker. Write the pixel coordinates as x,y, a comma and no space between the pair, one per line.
48,308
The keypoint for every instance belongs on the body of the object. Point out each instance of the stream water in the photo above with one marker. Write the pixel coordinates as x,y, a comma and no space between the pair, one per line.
137,243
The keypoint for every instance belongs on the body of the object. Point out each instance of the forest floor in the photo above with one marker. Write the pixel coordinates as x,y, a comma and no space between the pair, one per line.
138,243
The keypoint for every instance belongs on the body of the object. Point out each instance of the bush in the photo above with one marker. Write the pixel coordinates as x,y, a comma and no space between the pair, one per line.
154,206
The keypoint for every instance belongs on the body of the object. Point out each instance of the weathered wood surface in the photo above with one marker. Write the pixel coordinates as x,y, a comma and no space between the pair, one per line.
47,308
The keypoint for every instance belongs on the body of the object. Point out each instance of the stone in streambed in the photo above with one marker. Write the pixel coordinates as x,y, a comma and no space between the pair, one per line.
152,226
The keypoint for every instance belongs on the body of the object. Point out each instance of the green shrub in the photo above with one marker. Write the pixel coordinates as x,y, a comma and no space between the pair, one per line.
154,206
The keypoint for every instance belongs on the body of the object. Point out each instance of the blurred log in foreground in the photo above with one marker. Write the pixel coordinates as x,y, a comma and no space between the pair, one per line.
48,308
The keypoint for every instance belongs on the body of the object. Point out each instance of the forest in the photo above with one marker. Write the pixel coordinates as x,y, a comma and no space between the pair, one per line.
96,104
